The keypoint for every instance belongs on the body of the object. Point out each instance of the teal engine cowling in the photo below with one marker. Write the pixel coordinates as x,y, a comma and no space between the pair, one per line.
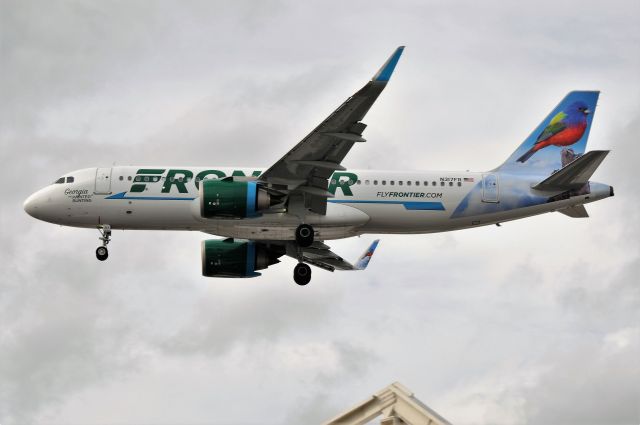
228,198
237,258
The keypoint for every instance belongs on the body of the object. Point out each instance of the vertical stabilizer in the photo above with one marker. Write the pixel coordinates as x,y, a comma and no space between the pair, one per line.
559,139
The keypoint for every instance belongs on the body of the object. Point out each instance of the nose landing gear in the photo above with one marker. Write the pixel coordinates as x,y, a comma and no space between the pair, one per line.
102,253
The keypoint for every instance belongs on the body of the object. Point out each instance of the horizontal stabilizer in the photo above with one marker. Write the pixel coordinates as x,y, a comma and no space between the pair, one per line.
577,211
575,174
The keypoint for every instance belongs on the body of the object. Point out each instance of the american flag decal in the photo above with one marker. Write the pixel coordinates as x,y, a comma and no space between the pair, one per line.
468,179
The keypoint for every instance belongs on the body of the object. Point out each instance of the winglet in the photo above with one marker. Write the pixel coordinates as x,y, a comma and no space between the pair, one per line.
384,74
364,259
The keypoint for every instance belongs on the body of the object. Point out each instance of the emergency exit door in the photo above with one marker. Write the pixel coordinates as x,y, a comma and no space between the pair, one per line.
103,181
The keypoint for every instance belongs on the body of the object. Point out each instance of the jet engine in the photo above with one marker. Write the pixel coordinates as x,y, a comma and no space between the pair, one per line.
228,198
237,258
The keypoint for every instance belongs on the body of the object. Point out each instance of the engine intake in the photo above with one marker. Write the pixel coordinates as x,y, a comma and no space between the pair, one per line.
237,258
238,199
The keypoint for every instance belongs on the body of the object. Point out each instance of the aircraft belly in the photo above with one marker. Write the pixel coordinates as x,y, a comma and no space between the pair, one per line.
280,232
146,214
516,213
396,218
341,221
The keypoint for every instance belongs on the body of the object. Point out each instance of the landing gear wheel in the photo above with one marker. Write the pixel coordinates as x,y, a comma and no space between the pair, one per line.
304,235
105,236
302,274
102,253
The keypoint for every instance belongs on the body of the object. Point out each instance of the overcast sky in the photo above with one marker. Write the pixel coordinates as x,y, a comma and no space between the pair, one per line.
537,321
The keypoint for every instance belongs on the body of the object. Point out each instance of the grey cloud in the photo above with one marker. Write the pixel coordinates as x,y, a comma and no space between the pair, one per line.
588,385
261,316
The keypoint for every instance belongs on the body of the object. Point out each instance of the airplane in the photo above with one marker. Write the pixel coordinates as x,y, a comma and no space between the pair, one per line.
308,197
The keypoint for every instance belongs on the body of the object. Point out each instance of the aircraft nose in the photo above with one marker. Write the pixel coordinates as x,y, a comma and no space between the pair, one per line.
31,206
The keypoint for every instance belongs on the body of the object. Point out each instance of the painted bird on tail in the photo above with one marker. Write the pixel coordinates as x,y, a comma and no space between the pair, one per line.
565,129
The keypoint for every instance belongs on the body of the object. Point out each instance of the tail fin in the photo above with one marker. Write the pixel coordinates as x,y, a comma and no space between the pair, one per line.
559,139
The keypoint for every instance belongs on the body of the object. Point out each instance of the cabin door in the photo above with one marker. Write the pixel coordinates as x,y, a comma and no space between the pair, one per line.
103,181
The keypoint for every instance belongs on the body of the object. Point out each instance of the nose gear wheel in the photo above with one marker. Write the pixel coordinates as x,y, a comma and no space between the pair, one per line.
102,253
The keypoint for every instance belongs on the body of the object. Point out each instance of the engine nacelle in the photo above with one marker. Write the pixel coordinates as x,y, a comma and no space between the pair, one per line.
237,258
227,198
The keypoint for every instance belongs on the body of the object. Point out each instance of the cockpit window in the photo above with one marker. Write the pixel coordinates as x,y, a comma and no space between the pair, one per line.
63,179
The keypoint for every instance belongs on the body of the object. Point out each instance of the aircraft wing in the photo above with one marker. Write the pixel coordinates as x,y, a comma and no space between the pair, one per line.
320,255
302,173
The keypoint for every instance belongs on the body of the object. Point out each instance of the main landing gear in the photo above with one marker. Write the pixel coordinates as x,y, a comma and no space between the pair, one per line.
102,253
302,274
304,239
304,235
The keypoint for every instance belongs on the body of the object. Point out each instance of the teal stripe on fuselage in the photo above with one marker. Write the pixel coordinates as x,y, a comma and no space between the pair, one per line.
123,195
430,206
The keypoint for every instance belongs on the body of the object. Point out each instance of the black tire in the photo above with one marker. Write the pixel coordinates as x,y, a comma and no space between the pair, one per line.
304,235
102,253
302,274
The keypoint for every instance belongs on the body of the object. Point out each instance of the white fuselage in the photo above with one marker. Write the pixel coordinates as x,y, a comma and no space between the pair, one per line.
366,201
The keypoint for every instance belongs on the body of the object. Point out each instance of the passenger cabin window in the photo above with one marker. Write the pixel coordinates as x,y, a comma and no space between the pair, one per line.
375,182
450,183
409,183
459,184
392,182
121,178
358,182
366,182
399,182
384,182
417,183
433,183
129,178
